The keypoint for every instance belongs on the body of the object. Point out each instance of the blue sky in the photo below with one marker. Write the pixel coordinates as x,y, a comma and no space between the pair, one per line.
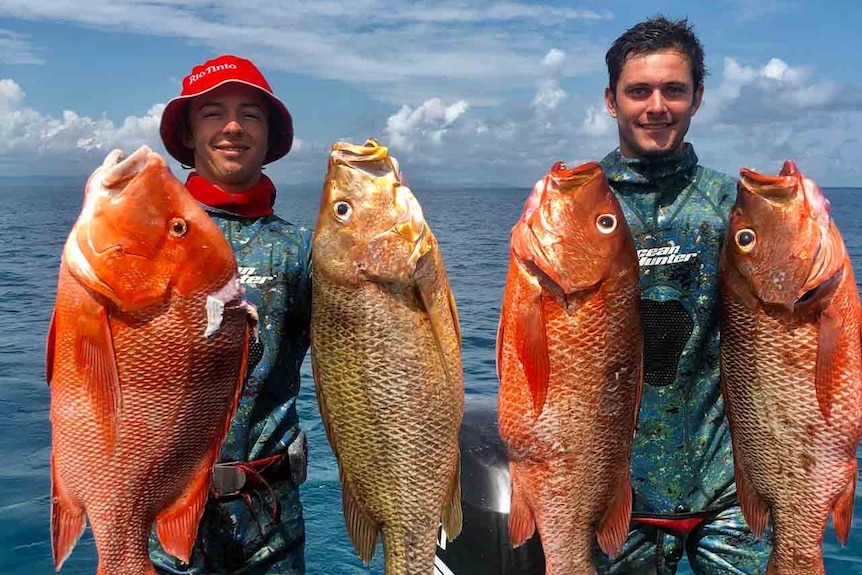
464,91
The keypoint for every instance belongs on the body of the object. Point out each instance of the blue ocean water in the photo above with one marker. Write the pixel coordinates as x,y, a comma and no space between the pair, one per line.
472,225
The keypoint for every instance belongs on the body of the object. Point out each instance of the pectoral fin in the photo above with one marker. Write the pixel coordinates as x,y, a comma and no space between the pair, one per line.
828,340
432,289
97,364
533,349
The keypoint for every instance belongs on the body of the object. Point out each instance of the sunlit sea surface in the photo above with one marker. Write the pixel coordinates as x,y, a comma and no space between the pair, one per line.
472,225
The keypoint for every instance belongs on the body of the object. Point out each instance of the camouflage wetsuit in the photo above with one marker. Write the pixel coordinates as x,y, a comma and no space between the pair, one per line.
250,533
682,460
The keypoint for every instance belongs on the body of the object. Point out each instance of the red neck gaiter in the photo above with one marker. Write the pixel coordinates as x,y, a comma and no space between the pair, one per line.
254,202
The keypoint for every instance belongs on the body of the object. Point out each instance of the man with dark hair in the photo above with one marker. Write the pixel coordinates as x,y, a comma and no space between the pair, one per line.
682,462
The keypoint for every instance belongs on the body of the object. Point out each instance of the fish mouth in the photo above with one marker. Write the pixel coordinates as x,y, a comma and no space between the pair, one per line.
780,188
370,157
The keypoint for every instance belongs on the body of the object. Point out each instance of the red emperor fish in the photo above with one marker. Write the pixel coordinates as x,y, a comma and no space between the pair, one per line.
790,365
146,356
569,358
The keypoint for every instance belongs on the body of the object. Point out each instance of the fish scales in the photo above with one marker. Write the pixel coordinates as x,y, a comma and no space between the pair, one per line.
140,396
570,356
795,427
386,363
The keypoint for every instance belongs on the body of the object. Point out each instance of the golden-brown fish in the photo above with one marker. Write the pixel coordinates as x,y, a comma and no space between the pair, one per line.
385,347
790,365
569,357
146,356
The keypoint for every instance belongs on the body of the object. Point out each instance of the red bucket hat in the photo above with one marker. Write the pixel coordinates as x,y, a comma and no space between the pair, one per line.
212,74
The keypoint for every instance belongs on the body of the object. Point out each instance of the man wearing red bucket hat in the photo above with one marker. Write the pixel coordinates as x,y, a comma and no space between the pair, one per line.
226,124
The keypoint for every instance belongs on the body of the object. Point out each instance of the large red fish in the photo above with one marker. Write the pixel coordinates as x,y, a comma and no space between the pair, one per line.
790,365
146,355
569,357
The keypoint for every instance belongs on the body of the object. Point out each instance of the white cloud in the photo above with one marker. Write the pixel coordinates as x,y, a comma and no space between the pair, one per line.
748,11
549,94
774,91
447,49
554,59
760,116
597,121
427,122
28,134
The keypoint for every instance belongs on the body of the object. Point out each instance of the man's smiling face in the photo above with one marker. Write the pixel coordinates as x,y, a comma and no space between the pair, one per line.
229,133
654,101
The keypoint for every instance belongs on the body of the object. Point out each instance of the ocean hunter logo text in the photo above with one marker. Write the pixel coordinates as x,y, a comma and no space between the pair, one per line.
663,256
246,276
209,70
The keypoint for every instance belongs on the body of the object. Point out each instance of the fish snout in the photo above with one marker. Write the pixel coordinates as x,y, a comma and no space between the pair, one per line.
118,169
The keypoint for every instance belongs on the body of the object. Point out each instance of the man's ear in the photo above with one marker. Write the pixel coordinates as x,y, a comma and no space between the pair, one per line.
610,102
698,98
188,139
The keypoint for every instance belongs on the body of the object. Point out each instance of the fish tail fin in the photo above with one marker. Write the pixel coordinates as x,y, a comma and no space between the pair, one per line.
68,520
614,527
452,517
361,528
522,522
842,512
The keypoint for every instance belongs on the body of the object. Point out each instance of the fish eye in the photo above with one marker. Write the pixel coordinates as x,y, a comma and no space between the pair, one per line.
178,227
746,239
606,223
342,210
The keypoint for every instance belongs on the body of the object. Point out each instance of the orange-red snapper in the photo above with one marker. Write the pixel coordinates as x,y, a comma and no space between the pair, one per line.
146,355
569,357
791,365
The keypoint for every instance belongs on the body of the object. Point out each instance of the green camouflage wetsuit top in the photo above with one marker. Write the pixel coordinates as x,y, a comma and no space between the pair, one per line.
250,533
682,461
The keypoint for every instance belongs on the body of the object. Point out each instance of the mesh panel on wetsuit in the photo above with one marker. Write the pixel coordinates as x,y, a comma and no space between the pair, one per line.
255,353
667,326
